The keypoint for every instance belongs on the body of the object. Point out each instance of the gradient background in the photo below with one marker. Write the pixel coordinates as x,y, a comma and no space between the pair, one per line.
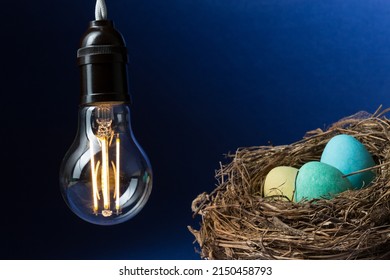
207,77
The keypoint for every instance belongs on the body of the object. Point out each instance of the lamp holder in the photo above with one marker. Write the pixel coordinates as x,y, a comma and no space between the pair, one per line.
102,58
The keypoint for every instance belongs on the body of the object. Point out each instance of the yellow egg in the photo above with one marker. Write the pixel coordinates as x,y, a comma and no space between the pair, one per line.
280,181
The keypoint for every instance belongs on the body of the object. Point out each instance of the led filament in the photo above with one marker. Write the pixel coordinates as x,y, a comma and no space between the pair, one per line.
105,136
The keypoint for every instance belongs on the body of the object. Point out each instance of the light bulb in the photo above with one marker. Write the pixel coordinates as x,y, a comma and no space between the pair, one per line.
105,176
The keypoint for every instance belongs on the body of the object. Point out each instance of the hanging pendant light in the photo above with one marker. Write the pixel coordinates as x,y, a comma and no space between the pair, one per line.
105,176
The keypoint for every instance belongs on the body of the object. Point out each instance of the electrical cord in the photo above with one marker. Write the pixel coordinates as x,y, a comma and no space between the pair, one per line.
100,10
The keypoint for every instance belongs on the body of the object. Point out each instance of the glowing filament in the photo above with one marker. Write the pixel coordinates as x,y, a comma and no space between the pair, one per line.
109,188
95,192
118,142
105,174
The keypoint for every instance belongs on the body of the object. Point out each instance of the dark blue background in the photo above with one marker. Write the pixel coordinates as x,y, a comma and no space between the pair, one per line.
207,77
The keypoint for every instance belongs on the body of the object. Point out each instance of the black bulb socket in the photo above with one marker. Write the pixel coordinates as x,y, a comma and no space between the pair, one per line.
102,58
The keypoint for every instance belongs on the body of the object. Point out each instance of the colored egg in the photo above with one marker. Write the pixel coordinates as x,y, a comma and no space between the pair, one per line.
280,181
348,155
319,180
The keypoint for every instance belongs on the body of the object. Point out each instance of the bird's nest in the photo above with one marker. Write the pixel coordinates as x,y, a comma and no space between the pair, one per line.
237,222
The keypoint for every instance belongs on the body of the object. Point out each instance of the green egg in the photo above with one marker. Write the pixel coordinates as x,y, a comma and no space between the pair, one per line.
319,180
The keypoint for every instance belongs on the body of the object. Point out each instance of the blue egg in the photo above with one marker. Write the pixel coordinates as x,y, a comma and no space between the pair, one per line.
348,155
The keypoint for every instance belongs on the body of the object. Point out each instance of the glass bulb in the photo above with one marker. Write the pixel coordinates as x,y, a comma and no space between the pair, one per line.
105,177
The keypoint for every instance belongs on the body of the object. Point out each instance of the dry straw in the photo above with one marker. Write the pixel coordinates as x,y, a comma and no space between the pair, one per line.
237,222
